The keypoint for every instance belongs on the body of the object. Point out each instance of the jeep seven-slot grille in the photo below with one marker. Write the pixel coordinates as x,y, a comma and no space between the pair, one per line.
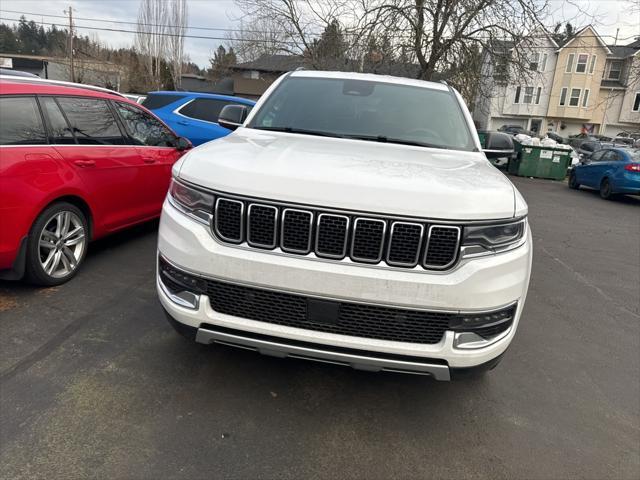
362,238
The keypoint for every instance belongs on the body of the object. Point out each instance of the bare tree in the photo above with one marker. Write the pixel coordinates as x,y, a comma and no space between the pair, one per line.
293,25
151,40
256,37
176,29
441,34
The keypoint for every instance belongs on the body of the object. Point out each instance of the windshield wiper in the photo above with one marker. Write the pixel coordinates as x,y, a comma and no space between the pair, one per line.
300,130
400,141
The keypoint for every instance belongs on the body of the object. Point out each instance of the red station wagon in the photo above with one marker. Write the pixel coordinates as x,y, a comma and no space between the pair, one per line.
76,163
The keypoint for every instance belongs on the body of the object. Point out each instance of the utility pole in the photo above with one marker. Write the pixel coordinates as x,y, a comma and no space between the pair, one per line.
71,67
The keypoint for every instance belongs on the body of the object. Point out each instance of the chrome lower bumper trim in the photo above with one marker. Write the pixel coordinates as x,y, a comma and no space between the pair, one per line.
360,362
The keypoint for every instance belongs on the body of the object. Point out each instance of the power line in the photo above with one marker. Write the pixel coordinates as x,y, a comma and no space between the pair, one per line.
253,40
124,22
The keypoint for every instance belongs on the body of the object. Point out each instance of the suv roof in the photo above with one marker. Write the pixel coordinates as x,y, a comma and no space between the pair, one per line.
19,85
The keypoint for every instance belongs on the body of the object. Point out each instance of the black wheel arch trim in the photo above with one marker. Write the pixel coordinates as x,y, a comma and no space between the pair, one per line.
16,272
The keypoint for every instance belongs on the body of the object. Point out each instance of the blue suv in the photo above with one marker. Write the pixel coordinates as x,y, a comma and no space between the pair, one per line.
191,114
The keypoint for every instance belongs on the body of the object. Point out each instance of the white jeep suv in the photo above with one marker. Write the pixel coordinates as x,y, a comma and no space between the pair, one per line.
351,219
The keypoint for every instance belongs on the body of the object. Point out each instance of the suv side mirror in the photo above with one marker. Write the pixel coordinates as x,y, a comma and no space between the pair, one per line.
497,145
232,116
182,143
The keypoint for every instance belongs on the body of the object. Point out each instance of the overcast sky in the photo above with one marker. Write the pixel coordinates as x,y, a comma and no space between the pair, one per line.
606,15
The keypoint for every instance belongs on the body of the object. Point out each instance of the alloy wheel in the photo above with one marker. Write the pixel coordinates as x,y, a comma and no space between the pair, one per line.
61,244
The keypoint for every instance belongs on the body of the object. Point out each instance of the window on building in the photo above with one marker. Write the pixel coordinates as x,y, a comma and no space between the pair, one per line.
534,61
615,69
581,65
252,74
91,121
528,95
543,64
538,93
585,98
517,98
20,122
574,99
563,96
592,66
569,67
636,103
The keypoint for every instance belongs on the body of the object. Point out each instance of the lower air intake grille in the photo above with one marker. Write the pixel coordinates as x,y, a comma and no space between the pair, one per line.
368,321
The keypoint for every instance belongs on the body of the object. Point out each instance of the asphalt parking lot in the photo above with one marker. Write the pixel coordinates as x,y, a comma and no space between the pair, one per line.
95,383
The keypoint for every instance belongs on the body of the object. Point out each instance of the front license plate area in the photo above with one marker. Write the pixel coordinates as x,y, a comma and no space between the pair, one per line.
322,311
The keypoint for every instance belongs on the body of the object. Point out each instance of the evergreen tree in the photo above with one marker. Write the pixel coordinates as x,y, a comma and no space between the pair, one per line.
8,39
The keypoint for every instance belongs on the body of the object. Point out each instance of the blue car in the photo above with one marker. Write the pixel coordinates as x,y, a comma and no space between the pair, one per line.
610,170
191,114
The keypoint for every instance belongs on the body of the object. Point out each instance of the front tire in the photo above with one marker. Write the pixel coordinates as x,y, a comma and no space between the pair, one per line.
57,245
573,181
605,189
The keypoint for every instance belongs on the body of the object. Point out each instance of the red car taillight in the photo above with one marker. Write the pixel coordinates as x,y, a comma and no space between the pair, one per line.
632,167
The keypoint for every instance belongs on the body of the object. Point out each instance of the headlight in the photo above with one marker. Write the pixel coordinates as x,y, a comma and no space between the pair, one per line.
483,239
191,201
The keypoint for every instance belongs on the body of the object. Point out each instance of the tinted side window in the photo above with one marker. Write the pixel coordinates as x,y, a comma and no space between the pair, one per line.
596,157
206,109
158,101
59,131
589,147
143,128
91,121
610,156
20,122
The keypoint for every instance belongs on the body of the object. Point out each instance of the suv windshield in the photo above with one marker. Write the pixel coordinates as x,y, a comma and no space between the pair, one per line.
366,110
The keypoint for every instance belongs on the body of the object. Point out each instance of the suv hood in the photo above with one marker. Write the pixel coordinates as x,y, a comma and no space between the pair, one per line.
352,174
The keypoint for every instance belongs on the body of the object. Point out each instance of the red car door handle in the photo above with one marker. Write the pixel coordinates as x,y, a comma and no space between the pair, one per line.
85,163
149,160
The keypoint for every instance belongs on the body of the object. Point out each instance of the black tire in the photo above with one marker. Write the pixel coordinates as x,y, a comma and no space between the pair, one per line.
35,272
573,181
605,189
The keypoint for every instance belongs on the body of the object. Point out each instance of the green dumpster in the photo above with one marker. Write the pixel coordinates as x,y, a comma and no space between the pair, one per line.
541,162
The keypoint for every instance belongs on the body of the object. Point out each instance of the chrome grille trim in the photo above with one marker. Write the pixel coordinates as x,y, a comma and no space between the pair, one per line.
275,226
417,257
457,249
367,247
282,225
346,236
215,220
353,235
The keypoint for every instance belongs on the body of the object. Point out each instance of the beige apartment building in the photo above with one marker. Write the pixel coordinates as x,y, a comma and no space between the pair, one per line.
585,86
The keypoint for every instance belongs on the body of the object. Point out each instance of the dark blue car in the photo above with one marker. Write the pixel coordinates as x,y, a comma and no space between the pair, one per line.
191,114
610,170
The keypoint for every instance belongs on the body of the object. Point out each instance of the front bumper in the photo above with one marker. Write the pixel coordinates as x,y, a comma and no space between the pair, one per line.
477,285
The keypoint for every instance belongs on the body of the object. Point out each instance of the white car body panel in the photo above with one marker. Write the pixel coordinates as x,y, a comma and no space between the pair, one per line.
353,174
358,176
